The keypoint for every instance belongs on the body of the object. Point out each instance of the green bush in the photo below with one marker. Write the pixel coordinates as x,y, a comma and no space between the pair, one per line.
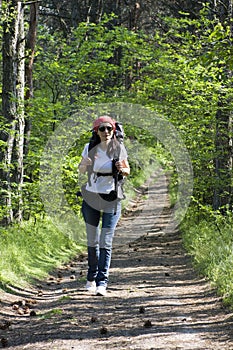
208,237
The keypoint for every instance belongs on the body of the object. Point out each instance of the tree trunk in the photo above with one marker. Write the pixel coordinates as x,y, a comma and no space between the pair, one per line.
223,160
222,11
13,111
30,47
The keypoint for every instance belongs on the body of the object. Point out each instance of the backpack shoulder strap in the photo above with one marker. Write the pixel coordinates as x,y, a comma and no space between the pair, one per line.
119,136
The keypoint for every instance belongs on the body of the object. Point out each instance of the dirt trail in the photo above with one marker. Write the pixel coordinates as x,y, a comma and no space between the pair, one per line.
155,300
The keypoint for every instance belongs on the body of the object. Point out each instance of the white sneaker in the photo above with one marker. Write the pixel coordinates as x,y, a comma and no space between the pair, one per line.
101,290
91,286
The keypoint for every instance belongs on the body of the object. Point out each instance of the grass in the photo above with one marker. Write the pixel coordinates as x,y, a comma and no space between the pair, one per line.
208,237
30,250
50,314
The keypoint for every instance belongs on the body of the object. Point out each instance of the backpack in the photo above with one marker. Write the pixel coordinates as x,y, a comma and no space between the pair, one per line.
118,192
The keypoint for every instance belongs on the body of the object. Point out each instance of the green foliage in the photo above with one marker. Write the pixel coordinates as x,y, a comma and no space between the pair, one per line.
207,235
186,78
84,63
70,74
51,314
30,250
182,73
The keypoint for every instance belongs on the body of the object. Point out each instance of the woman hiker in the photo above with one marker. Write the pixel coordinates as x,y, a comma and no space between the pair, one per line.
103,157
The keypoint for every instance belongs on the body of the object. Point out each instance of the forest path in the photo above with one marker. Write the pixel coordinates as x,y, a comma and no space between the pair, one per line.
155,299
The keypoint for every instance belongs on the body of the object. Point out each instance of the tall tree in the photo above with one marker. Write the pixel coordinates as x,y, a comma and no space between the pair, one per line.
13,109
222,12
30,48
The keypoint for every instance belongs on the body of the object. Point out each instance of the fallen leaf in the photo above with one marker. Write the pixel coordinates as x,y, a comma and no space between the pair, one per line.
5,325
4,342
103,330
141,310
148,324
33,313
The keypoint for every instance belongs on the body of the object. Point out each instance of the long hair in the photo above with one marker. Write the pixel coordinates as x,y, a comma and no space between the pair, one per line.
112,149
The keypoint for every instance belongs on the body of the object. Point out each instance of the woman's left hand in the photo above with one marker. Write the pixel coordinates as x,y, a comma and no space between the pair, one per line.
123,167
119,165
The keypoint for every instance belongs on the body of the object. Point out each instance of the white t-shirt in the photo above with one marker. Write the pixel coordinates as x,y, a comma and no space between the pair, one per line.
102,164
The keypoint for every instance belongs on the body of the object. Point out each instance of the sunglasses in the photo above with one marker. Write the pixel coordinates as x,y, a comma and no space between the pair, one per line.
103,128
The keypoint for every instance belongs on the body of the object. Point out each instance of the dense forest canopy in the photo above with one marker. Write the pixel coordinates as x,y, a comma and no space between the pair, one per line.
166,68
174,57
141,15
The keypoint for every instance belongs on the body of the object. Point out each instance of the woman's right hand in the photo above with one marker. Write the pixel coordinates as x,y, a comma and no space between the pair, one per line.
85,162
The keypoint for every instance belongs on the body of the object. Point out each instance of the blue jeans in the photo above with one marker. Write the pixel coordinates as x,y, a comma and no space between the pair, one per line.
99,239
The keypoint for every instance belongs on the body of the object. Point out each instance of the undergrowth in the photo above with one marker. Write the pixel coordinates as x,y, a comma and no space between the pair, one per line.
208,237
30,250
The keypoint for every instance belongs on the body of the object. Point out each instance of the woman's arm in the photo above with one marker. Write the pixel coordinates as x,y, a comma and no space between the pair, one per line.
85,162
123,167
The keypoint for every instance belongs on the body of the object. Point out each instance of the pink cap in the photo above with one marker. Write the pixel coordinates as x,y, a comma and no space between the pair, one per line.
103,119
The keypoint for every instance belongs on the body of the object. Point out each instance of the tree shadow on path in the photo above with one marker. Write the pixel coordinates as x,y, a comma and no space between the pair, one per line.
155,300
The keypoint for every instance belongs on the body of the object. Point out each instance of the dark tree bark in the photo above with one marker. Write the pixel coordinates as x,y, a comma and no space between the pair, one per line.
30,47
223,160
222,11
